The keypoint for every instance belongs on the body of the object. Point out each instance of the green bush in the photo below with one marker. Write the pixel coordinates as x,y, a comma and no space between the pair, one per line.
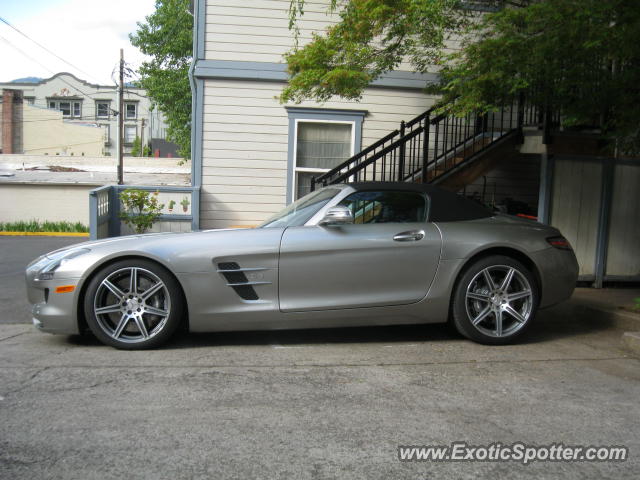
38,226
140,209
135,148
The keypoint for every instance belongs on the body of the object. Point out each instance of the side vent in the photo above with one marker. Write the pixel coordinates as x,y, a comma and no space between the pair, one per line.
237,279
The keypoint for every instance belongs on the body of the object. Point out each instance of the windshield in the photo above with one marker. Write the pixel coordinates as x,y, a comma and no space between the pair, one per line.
300,211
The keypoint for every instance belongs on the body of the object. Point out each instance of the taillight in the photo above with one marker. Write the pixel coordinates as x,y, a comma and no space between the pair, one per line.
560,243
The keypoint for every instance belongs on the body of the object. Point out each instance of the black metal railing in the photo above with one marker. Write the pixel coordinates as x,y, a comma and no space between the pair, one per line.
428,146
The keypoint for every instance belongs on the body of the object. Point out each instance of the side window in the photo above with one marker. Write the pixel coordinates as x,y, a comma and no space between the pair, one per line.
387,207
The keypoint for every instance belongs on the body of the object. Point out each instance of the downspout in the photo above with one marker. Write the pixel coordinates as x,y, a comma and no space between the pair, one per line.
195,175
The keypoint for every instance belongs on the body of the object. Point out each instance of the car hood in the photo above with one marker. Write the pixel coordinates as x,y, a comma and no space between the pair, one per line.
129,242
180,252
106,242
144,238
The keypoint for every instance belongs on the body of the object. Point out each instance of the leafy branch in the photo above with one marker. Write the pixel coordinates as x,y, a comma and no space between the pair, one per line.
140,209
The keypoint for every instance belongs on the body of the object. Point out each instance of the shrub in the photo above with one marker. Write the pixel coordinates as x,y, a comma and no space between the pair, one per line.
140,209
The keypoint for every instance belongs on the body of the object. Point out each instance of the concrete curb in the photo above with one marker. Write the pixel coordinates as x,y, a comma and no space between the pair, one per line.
623,320
631,342
44,234
620,319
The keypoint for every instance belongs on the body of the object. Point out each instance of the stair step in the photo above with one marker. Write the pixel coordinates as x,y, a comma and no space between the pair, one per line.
436,172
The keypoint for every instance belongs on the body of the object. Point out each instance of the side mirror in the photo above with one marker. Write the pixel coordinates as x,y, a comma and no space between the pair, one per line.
337,216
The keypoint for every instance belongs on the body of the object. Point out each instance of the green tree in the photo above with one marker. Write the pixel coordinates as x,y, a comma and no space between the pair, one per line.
579,57
138,150
135,148
372,37
167,37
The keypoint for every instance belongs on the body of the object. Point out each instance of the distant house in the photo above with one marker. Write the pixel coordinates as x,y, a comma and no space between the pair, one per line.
32,130
84,103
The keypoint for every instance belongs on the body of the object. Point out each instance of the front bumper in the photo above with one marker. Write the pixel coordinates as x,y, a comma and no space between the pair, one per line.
558,274
53,312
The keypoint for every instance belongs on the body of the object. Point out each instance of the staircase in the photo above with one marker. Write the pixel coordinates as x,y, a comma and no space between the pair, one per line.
442,149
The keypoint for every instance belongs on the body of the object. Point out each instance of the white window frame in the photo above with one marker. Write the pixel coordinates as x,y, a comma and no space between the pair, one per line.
124,134
126,111
59,103
103,102
55,105
297,169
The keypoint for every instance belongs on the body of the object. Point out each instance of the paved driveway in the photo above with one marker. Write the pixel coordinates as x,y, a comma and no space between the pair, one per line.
15,255
329,404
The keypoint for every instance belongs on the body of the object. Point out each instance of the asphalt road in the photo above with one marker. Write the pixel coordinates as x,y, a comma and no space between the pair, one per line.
331,404
15,255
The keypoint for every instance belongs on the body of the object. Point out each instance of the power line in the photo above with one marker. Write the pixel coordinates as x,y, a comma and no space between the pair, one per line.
66,121
62,145
49,70
46,49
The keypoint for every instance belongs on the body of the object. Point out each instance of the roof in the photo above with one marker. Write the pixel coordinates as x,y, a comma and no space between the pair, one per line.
445,206
41,81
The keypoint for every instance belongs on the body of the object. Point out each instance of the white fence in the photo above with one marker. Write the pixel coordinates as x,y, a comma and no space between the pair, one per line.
47,195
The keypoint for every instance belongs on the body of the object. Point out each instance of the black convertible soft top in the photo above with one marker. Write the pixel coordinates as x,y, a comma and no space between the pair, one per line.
445,206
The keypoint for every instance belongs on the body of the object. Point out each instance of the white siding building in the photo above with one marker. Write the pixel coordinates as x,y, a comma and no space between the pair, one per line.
81,102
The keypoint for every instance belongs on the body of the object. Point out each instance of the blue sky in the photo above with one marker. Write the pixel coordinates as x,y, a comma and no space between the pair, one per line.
88,34
18,10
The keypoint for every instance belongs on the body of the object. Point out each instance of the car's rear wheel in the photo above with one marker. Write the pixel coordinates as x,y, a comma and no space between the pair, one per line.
133,304
495,300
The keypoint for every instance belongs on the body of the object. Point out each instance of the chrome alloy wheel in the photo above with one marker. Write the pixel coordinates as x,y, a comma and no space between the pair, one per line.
499,301
132,305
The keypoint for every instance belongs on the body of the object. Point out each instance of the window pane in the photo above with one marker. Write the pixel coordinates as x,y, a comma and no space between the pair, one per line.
386,207
103,109
131,110
300,211
323,145
76,109
129,134
65,108
52,105
303,183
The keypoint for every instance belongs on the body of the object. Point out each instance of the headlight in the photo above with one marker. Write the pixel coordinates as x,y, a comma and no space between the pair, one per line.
55,261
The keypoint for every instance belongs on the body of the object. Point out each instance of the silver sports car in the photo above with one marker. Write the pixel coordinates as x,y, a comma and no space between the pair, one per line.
345,255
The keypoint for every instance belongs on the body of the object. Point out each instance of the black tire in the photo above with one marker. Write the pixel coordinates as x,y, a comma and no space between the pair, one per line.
133,315
489,313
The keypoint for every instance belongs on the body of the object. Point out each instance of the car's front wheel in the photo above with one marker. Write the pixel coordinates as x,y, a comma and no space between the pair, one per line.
495,300
133,304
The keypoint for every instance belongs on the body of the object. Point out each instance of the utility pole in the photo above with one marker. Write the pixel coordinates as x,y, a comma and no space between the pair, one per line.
142,121
121,114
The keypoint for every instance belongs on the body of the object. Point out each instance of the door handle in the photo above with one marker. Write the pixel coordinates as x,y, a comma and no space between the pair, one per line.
411,236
